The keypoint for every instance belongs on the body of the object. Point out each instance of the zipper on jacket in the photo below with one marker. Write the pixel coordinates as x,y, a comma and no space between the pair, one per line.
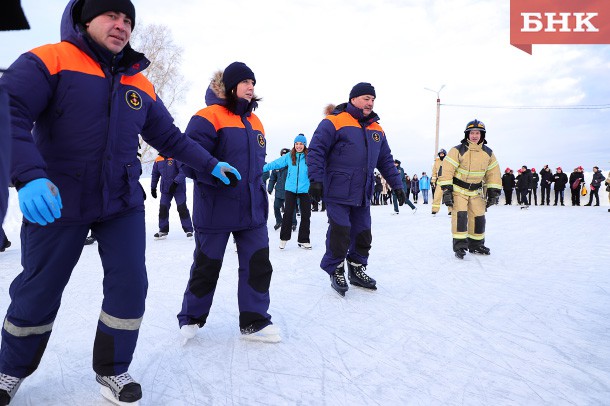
296,191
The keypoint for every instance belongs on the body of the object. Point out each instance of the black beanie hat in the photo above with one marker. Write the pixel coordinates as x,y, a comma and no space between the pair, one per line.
362,88
93,8
235,73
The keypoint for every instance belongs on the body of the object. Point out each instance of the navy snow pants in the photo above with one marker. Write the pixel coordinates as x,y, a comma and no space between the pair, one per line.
348,236
49,254
166,201
254,277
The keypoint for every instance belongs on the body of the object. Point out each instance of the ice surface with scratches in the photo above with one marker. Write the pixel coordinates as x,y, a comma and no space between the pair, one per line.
528,325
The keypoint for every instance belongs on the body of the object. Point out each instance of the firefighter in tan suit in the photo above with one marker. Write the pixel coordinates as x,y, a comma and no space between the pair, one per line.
437,171
466,169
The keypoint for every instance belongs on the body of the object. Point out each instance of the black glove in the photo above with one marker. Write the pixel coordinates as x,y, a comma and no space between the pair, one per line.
153,193
315,190
448,196
173,187
493,197
400,196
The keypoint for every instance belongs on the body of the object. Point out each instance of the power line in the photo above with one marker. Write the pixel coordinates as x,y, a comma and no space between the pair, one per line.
575,107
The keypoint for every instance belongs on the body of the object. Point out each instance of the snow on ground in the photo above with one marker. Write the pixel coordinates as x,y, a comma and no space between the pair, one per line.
528,325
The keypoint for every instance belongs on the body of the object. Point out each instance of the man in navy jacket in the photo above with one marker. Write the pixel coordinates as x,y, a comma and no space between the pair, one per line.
77,109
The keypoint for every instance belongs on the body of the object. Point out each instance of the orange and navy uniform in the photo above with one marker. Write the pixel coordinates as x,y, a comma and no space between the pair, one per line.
240,140
76,121
343,154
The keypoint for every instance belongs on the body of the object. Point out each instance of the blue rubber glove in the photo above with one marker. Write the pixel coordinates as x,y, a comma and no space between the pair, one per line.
221,169
40,202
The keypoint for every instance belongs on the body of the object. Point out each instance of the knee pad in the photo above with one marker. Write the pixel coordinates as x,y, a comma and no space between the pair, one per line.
363,242
204,275
183,211
479,224
339,240
163,211
462,222
260,270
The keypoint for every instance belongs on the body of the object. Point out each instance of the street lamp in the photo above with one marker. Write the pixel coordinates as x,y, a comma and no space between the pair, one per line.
438,115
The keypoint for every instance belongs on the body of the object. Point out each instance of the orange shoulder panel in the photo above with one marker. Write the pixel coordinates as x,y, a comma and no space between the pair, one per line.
220,117
256,123
159,158
139,80
343,120
66,56
375,127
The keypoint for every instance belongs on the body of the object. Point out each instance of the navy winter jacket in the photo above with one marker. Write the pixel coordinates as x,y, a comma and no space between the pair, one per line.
76,121
344,152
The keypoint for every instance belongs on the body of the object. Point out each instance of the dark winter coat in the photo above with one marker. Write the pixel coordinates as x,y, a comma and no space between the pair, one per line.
238,139
402,177
560,180
5,152
508,181
278,180
378,184
597,180
546,178
76,121
170,171
576,176
535,180
344,152
524,180
415,186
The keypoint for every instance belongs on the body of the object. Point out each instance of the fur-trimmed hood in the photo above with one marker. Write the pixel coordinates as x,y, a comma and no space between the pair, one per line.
217,94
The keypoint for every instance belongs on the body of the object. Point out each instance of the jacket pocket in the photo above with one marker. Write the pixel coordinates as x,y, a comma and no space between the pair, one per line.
339,185
69,178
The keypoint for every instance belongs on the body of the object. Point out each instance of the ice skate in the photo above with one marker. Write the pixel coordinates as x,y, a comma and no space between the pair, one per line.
189,235
160,235
188,331
460,253
294,227
480,249
89,240
267,334
277,226
305,245
357,276
120,389
337,280
395,213
8,388
524,207
283,244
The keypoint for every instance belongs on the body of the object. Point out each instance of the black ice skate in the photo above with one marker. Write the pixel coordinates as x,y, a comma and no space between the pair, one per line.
8,388
89,240
480,249
337,280
460,253
160,235
120,389
358,277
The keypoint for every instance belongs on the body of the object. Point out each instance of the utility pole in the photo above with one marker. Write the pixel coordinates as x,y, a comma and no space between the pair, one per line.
438,116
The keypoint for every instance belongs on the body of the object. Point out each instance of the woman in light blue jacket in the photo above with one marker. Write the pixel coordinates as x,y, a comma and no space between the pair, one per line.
297,187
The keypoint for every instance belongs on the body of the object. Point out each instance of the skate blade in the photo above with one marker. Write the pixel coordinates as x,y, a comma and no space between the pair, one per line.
160,238
339,292
369,288
107,393
267,338
305,248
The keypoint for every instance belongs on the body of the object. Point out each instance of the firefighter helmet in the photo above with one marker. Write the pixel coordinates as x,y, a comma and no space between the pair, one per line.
475,125
442,151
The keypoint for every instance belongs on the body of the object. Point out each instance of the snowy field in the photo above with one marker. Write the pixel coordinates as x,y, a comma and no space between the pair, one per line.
528,325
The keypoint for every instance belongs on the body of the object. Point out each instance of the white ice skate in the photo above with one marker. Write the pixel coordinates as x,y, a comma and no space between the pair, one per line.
305,245
283,244
188,331
269,334
120,389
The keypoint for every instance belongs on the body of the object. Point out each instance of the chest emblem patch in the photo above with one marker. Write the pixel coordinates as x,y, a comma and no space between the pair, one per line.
134,100
376,137
261,140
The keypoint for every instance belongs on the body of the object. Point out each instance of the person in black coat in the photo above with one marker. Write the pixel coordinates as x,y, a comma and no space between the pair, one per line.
596,183
577,180
560,180
535,181
508,184
524,185
546,178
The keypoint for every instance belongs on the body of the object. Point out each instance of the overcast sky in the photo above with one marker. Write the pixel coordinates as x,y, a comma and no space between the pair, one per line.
308,53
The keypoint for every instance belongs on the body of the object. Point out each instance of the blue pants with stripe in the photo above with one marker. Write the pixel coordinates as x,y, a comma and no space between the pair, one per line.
49,254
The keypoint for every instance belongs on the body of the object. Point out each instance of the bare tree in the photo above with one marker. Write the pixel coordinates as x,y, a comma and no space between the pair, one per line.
155,41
